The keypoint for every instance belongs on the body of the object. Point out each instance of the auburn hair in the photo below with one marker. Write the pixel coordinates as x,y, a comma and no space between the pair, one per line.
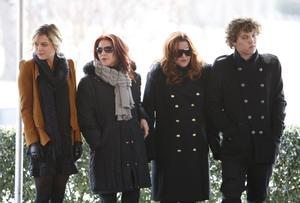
169,57
120,50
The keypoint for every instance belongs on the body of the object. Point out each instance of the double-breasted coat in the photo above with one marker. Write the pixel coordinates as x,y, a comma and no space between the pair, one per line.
178,141
246,103
118,159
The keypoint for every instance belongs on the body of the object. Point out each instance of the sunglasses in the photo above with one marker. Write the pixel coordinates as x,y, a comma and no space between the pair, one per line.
107,49
180,52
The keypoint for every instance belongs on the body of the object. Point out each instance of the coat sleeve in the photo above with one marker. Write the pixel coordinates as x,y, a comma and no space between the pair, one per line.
137,98
74,119
279,103
212,132
215,104
149,105
86,109
25,86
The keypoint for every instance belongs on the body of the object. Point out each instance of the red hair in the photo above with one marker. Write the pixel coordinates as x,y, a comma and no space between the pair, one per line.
169,58
120,51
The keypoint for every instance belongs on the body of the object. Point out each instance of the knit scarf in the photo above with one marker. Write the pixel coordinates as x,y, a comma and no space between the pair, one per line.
122,83
54,97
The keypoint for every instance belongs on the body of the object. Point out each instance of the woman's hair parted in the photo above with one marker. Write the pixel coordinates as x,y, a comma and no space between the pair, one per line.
120,51
52,32
240,24
169,57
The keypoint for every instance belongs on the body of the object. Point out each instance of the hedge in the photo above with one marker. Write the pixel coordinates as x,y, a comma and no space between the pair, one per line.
284,185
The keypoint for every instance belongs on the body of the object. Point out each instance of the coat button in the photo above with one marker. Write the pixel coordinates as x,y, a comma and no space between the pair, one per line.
178,150
245,101
239,68
178,135
249,117
172,95
194,149
243,85
194,134
253,132
262,117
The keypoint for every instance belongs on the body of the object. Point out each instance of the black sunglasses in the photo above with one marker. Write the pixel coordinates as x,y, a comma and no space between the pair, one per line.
180,52
107,49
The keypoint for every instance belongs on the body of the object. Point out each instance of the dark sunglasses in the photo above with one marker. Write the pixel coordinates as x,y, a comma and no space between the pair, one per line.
180,52
108,49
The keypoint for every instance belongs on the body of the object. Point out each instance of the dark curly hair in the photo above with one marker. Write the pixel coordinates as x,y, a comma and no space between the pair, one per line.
240,24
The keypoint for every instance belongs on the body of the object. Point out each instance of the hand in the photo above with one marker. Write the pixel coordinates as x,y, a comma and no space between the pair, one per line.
144,125
35,151
77,150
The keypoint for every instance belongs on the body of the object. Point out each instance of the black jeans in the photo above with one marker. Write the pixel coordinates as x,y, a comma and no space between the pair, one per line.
236,175
127,197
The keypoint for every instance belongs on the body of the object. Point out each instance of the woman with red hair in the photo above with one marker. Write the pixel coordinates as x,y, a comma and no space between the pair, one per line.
113,122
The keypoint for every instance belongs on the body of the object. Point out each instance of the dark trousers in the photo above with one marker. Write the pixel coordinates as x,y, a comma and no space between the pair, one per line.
127,197
237,177
50,189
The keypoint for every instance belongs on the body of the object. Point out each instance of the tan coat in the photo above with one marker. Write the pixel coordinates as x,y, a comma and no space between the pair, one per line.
31,112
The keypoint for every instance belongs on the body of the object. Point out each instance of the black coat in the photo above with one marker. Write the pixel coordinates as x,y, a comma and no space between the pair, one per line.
246,103
118,156
178,141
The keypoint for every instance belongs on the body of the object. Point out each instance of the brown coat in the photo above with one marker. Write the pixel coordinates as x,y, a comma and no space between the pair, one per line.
31,112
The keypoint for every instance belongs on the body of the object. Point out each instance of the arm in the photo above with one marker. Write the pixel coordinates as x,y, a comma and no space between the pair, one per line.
86,108
25,85
142,115
279,103
149,106
215,102
212,132
74,119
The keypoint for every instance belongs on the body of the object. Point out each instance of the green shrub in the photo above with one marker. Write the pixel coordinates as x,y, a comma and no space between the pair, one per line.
284,185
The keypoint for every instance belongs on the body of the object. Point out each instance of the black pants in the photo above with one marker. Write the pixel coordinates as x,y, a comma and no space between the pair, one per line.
127,197
50,189
236,175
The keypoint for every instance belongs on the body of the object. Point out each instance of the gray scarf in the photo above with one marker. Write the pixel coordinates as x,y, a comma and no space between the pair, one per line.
122,83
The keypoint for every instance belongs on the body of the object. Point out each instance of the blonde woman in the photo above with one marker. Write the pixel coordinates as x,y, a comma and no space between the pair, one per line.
47,88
